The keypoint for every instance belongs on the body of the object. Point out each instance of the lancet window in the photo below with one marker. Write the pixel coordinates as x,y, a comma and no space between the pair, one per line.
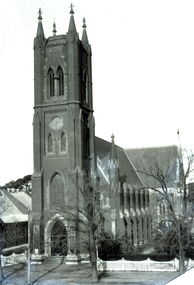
51,82
63,142
85,86
50,143
61,81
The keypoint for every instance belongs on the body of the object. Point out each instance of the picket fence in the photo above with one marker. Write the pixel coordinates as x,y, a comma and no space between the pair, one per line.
146,265
13,259
114,265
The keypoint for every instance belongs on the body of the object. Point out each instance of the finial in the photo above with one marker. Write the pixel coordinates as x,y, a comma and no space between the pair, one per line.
39,14
54,29
84,23
178,132
71,7
112,137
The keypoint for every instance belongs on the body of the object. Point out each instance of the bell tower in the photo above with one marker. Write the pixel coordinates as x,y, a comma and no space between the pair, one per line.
63,126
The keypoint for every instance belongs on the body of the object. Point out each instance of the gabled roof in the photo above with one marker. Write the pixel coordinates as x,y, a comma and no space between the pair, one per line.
15,207
153,158
127,172
23,198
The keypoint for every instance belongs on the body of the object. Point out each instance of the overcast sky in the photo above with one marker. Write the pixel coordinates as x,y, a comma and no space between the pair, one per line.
143,72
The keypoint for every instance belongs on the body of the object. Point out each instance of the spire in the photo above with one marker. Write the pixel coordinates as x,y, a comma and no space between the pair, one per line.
54,29
40,31
113,154
71,11
39,41
72,22
84,24
39,14
113,168
85,37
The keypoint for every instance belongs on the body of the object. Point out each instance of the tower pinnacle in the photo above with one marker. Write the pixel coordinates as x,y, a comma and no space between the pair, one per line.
39,41
84,23
72,28
39,14
85,37
54,29
71,9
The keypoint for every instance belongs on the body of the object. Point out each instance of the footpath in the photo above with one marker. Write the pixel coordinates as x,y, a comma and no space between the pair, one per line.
43,274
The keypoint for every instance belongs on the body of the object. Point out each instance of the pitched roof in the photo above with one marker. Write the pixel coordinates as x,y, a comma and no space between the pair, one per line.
23,198
15,207
126,169
150,159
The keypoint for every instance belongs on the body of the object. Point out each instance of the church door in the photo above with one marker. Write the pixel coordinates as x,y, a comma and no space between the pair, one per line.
58,239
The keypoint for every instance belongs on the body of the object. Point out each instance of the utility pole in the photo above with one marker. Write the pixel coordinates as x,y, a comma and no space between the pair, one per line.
29,259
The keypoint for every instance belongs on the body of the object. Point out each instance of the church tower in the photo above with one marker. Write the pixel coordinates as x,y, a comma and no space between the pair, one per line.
63,131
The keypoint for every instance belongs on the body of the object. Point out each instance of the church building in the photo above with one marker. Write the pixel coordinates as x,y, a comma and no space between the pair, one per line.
65,145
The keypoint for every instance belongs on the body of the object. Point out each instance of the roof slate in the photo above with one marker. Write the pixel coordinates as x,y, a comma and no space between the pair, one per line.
164,157
17,207
126,169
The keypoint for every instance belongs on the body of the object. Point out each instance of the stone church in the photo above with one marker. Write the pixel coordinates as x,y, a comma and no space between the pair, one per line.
64,144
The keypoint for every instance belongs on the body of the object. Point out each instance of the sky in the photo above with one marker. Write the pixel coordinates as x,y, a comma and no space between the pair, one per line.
142,64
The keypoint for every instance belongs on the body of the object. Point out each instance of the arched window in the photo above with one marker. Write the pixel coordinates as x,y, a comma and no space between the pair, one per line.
61,81
57,191
51,82
50,143
63,142
84,86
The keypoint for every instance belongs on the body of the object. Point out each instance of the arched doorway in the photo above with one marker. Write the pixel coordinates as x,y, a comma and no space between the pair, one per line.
58,239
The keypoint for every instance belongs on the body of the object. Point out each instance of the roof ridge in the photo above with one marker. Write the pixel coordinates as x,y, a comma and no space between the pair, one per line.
146,147
109,142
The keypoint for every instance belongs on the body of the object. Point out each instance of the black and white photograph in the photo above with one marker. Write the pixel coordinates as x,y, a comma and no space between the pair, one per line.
97,140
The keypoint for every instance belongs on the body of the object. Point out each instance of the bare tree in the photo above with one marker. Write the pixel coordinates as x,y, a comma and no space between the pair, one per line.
83,212
168,179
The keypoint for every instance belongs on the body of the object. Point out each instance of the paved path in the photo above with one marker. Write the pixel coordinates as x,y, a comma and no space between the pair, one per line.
81,275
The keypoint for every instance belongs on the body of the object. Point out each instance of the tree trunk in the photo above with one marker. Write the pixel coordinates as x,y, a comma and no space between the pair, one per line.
1,271
181,261
94,265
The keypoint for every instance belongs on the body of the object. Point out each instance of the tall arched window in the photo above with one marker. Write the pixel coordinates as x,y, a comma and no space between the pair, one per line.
50,143
51,82
61,81
57,191
84,86
63,142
